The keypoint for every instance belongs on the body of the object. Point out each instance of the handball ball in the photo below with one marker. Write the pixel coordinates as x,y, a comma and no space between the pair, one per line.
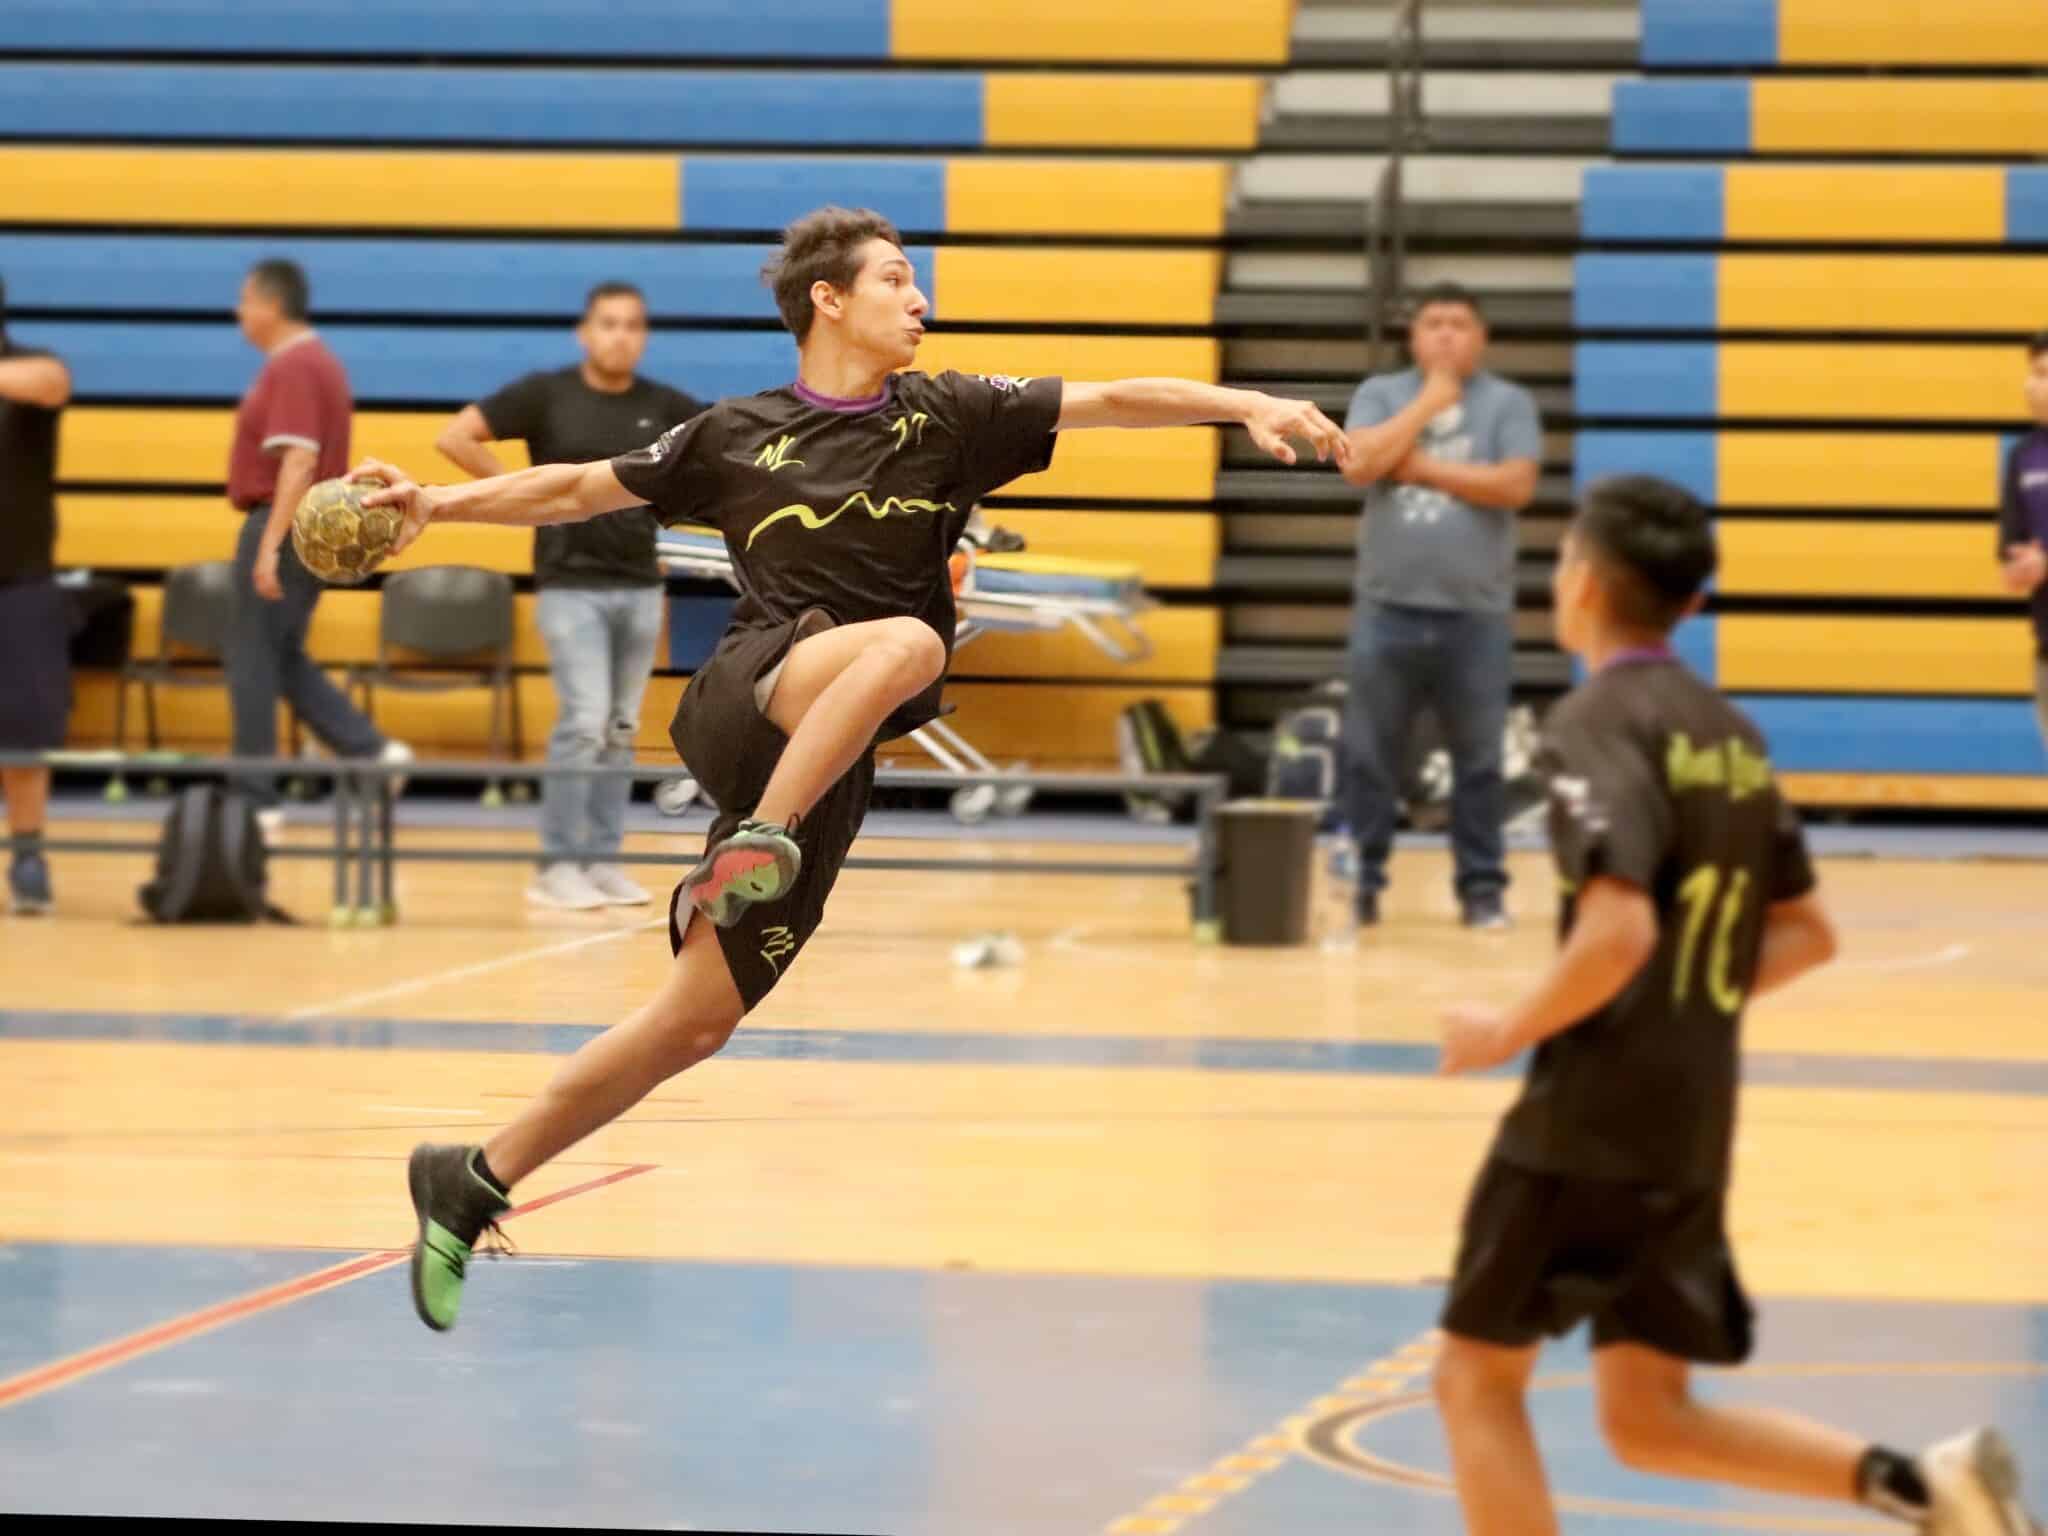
337,538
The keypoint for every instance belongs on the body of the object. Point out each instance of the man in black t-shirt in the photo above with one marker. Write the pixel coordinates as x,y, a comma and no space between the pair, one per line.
599,582
35,625
840,496
1686,892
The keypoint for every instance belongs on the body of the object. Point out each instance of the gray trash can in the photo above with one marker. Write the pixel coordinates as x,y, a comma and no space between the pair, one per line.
1266,862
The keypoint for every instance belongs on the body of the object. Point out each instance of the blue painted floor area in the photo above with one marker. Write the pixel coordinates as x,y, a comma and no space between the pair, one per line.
612,1392
1199,1053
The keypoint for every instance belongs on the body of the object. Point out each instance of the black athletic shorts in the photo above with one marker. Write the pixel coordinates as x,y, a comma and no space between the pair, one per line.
35,678
1543,1252
731,748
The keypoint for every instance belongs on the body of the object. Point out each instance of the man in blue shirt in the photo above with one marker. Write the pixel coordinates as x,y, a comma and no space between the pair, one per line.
1450,453
2023,518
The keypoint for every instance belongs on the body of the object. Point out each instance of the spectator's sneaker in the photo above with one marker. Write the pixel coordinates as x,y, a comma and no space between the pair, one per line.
611,883
455,1207
28,884
1487,914
566,887
1975,1481
396,754
1367,906
758,863
270,822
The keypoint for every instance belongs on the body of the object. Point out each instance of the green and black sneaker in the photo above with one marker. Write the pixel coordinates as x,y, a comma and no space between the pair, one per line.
456,1207
757,863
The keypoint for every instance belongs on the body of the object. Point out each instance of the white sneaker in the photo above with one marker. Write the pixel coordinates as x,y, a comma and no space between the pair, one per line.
612,884
1975,1481
396,754
564,886
270,822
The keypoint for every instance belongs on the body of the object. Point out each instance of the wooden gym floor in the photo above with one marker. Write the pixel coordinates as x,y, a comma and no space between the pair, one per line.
1136,1237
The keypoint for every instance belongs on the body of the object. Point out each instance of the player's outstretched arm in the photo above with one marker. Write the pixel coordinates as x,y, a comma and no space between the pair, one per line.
526,498
1270,420
1614,933
1799,936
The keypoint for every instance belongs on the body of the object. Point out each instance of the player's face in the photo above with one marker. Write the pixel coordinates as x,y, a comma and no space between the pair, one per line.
1448,336
2037,388
883,313
614,334
1572,595
257,313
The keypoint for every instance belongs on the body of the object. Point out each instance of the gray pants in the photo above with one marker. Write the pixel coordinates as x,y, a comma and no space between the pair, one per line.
266,660
601,649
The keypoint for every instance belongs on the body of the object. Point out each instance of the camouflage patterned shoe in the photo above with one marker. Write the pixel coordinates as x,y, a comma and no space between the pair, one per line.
758,863
455,1208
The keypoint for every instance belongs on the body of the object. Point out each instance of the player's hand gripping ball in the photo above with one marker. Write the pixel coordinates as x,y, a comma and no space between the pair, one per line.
337,538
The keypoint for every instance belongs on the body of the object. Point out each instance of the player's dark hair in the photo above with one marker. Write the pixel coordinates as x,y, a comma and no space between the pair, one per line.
1653,542
2037,345
824,246
1448,293
614,289
285,281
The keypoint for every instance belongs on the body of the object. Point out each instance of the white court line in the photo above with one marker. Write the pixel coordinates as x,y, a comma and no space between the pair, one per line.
464,972
418,1109
1946,956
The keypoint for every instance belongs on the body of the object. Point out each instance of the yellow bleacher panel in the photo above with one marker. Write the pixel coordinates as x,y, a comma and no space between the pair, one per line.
1867,559
1077,286
1910,205
1172,549
165,446
1184,640
1094,358
1875,380
1895,32
395,189
1899,116
1059,727
1134,31
1171,464
1957,791
989,195
1935,471
1031,111
1880,293
1875,655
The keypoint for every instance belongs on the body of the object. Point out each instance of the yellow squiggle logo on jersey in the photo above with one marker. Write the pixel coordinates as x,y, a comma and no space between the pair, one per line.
890,507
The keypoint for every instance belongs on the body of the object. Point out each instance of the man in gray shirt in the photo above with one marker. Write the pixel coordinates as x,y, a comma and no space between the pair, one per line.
1450,453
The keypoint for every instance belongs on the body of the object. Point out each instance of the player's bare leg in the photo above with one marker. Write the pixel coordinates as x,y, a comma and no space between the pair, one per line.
833,693
458,1192
1482,1393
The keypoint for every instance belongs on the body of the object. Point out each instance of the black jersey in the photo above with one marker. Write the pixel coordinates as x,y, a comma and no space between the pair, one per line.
852,507
1658,781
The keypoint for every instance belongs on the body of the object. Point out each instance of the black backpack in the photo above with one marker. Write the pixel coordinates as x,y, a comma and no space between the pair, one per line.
211,865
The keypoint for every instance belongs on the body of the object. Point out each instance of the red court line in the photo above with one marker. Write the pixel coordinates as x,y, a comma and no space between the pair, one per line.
61,1373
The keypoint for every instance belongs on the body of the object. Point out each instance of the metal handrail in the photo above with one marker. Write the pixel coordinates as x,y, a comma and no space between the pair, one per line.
1386,223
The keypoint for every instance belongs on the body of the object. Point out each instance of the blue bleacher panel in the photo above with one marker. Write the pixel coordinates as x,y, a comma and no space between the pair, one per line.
1643,293
730,192
1664,202
844,29
1677,33
442,365
1682,116
1824,734
1688,458
424,277
1638,380
2026,205
412,104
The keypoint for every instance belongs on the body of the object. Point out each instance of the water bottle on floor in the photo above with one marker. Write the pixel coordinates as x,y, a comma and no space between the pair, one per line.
1337,892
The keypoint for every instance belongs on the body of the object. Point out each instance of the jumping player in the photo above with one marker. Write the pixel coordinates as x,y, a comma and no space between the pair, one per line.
841,497
1687,891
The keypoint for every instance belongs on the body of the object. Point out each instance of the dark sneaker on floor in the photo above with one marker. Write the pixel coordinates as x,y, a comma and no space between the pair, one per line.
28,884
758,863
1975,1480
1367,906
1487,913
455,1207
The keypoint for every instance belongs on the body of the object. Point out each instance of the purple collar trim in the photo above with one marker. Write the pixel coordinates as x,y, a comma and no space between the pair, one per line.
1639,656
844,407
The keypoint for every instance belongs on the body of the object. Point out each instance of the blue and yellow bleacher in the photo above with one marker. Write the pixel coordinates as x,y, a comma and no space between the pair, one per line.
1822,399
455,180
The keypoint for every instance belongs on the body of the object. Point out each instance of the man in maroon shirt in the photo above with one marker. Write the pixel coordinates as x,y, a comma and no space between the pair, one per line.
292,429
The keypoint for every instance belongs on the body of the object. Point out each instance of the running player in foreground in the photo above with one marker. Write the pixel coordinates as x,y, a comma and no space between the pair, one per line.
841,497
1687,892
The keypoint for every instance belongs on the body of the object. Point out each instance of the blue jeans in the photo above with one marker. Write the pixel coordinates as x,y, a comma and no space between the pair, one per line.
265,659
1461,665
601,644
